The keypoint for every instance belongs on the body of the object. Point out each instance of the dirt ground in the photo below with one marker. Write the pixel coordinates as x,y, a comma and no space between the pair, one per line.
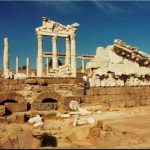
130,129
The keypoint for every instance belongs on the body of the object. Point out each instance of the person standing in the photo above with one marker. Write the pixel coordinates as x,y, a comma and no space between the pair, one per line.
86,84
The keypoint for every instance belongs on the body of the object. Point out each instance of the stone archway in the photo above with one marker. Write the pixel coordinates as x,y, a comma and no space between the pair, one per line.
46,101
11,102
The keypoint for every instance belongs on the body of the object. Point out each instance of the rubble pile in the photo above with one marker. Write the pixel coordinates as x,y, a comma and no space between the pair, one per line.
61,71
119,65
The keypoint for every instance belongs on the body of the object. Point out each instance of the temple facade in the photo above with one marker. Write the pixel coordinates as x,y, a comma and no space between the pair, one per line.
56,30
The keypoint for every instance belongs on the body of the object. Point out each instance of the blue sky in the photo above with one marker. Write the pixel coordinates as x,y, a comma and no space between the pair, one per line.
100,23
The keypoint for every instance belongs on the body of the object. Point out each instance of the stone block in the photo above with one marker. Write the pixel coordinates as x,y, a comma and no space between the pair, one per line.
90,92
6,87
5,143
118,104
122,90
68,99
141,89
143,102
2,87
14,141
2,110
13,82
148,102
48,114
1,81
144,96
111,90
16,107
20,117
95,132
101,99
78,91
21,81
89,99
133,90
102,91
42,82
11,118
2,119
31,81
34,113
147,89
130,103
95,91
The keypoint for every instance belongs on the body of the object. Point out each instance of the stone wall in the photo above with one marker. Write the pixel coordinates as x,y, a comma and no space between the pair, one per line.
116,96
19,84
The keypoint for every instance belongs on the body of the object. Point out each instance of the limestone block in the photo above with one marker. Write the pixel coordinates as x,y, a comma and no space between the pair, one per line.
68,99
95,91
38,124
31,81
35,119
11,118
2,119
2,110
16,107
143,102
130,103
5,143
77,91
111,91
20,117
42,82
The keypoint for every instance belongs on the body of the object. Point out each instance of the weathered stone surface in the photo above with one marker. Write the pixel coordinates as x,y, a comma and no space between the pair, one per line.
31,81
2,119
17,137
16,107
2,110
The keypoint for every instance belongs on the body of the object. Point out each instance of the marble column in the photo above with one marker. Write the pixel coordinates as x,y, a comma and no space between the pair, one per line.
47,67
17,64
73,55
54,52
40,56
83,67
68,59
6,57
27,66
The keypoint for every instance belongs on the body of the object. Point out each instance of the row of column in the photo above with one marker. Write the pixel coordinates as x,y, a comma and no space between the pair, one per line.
17,65
70,54
6,60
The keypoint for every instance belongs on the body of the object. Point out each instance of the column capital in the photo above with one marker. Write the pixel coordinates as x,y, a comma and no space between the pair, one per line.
39,36
68,38
73,36
54,37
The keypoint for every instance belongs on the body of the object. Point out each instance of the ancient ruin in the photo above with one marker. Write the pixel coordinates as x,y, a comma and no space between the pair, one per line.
37,107
55,29
119,65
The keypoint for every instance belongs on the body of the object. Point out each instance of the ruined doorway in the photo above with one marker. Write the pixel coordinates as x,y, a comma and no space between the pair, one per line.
49,104
7,104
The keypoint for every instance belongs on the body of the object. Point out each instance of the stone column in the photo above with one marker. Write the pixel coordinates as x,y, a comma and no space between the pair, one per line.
40,57
27,66
17,64
6,57
54,52
83,68
73,55
67,60
47,67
